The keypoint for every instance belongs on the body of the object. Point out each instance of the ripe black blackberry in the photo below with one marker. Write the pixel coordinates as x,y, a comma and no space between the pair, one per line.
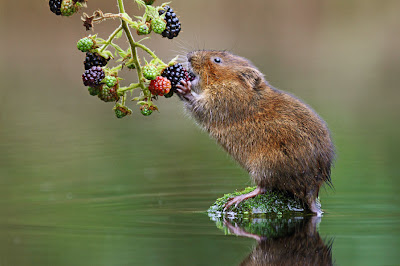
55,6
173,25
94,59
93,76
175,74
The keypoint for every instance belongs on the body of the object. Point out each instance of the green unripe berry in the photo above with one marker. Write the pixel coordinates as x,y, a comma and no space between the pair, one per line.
121,111
110,81
94,91
68,8
150,71
149,2
85,44
143,29
158,25
108,94
145,110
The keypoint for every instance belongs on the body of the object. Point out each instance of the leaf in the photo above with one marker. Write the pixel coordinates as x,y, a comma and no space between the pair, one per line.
118,35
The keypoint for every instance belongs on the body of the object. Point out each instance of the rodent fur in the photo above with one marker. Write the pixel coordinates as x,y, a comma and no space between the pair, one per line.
278,139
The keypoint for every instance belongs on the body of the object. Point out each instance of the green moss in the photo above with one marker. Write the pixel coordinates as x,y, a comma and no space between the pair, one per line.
270,203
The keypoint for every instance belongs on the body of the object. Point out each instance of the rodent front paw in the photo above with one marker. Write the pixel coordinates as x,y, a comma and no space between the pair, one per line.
184,90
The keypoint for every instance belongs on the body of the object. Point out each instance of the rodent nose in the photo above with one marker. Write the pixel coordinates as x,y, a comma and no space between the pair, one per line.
189,57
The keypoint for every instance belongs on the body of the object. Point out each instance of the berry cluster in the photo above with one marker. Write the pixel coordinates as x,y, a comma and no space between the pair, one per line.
155,78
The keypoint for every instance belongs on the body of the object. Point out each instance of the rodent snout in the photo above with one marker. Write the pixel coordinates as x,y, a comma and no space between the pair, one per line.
189,57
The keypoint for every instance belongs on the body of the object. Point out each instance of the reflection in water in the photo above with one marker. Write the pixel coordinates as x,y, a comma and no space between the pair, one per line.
283,241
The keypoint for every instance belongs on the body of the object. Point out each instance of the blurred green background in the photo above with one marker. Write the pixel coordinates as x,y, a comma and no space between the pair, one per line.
80,187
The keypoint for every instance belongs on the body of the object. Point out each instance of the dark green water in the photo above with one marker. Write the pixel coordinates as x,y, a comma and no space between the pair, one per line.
82,191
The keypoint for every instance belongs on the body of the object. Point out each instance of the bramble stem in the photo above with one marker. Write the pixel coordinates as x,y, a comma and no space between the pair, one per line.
109,40
131,87
133,47
150,52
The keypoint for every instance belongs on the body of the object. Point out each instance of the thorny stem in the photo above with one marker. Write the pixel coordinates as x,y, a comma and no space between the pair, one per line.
150,52
131,87
133,49
109,40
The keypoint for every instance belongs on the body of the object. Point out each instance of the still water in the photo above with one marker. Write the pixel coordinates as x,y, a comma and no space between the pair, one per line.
76,191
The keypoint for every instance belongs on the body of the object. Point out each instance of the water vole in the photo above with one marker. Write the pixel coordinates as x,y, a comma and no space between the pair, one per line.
279,140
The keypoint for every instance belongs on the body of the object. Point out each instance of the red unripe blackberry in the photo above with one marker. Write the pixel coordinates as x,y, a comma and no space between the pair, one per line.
173,25
175,74
55,6
92,77
160,86
94,59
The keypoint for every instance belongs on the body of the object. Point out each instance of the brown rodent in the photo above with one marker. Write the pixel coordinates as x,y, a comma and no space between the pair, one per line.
279,140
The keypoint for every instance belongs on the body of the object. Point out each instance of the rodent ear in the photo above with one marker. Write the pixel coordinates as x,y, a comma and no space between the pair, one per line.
252,77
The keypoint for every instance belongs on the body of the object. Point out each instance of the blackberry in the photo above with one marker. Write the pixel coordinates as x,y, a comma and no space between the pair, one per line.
147,110
173,25
190,76
55,6
93,76
158,25
94,59
94,90
85,44
150,71
108,94
144,29
160,86
175,74
121,111
68,8
110,81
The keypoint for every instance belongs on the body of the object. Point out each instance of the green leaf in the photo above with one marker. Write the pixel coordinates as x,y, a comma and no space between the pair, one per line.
118,35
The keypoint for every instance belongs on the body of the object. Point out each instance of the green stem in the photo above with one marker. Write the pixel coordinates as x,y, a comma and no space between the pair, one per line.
123,99
109,40
147,50
131,87
132,44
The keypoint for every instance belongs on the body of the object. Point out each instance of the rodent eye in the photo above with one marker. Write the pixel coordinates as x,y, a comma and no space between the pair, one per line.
217,60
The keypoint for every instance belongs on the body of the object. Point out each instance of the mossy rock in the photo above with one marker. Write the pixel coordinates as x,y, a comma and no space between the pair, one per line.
269,203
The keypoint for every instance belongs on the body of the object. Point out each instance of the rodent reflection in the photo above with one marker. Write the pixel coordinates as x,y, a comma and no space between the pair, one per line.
295,243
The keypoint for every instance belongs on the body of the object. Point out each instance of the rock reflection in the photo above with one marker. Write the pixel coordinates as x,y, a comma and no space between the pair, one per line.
282,241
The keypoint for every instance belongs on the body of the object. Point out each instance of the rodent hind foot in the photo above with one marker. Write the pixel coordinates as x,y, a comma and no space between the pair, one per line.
236,200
